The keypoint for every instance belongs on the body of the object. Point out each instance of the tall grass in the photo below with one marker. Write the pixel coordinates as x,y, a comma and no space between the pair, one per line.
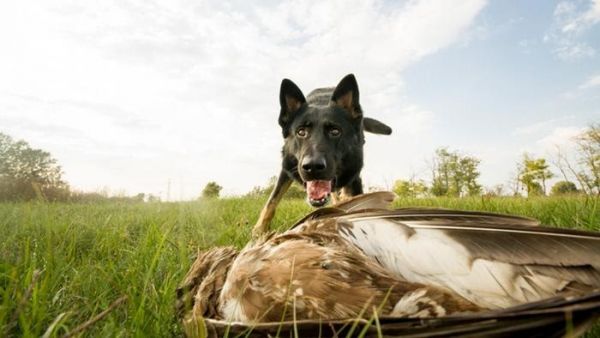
575,212
89,255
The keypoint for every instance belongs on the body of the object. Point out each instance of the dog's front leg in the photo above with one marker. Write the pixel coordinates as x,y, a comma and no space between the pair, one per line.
266,215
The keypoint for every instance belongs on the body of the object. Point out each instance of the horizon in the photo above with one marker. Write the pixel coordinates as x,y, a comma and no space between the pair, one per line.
138,96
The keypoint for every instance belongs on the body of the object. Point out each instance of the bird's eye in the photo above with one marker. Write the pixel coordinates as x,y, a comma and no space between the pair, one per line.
335,132
302,132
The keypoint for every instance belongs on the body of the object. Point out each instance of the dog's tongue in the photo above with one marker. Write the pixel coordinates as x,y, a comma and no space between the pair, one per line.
318,189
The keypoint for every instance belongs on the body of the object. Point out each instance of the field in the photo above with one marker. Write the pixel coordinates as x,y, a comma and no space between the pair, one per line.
89,255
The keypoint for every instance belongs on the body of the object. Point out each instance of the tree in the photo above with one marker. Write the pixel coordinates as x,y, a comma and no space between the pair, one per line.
535,189
468,171
563,188
454,174
585,169
496,190
410,188
514,182
588,144
153,198
533,173
27,173
211,190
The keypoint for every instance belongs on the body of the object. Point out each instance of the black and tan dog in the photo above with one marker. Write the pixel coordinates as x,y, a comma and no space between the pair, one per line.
323,146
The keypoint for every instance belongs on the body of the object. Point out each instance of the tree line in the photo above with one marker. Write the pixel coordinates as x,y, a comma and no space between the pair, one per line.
28,174
456,175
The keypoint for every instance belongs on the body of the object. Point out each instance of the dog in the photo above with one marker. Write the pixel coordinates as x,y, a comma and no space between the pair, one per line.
323,144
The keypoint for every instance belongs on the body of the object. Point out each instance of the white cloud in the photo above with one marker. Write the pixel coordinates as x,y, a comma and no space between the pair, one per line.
574,51
540,126
388,158
561,137
575,21
592,81
571,22
131,93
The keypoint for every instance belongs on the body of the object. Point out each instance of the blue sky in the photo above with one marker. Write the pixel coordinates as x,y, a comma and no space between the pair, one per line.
129,95
517,85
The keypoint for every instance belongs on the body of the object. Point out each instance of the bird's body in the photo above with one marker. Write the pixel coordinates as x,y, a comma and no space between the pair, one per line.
358,258
319,275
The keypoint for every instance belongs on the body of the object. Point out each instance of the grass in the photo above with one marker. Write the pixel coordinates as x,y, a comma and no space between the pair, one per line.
89,255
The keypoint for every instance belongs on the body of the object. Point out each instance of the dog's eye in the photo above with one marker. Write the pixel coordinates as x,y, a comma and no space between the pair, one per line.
301,132
335,132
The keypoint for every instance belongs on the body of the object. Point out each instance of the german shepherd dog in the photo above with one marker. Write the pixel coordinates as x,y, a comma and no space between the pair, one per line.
323,144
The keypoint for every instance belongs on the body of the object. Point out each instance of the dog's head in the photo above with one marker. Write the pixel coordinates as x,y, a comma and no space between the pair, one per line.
325,135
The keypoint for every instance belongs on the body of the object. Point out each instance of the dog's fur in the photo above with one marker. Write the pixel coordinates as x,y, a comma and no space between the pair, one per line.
323,143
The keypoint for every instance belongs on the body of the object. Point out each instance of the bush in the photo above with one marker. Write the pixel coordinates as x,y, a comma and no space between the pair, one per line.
563,188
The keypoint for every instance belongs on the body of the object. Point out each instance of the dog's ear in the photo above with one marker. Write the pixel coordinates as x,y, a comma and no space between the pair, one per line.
291,100
376,127
346,96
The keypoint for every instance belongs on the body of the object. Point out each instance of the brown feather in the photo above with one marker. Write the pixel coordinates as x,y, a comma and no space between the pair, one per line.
374,200
198,294
321,276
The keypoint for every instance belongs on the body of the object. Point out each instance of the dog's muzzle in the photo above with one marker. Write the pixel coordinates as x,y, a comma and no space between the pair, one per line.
318,192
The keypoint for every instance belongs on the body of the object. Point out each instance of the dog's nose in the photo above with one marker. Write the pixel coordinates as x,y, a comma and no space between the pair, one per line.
313,164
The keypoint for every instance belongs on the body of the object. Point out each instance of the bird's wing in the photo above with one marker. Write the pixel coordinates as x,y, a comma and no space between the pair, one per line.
374,200
382,200
492,260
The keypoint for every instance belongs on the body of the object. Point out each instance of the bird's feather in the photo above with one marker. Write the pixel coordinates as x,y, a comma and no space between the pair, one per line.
492,260
373,201
199,291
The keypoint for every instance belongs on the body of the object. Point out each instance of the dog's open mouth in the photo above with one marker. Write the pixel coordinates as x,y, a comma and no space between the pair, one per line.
318,192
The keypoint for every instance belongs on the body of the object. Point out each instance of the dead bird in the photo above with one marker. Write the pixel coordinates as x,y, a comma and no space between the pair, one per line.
358,257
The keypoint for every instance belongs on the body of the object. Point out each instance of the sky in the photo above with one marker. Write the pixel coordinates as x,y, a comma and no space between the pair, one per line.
162,97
